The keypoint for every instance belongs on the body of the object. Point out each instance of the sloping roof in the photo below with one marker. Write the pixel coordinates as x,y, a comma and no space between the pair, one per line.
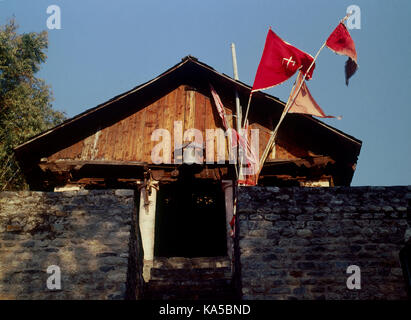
236,84
336,143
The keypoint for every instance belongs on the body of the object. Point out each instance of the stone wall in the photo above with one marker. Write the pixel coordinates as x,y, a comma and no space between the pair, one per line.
296,243
90,235
293,243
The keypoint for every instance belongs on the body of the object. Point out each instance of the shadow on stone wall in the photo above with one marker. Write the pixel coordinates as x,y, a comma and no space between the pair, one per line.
88,234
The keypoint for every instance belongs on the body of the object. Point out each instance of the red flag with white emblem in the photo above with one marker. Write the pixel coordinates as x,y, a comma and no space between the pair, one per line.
280,60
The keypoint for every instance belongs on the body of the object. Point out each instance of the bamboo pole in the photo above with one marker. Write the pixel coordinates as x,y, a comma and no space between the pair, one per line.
237,107
272,136
288,105
248,108
237,98
286,109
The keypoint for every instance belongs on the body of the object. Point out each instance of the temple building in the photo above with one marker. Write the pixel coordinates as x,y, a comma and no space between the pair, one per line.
185,209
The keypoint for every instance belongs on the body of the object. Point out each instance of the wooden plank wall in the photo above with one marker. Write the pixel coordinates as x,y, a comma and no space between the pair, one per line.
130,138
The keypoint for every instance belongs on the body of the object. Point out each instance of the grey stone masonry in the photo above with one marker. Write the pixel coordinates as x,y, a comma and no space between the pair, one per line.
296,243
89,235
180,278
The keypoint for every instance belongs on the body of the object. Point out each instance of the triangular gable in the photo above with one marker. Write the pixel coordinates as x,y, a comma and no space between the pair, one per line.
324,139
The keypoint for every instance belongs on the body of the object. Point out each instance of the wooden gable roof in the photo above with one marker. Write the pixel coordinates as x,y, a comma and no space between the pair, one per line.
119,130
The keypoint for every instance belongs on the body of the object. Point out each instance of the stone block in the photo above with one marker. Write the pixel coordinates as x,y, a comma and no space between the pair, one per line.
124,193
305,233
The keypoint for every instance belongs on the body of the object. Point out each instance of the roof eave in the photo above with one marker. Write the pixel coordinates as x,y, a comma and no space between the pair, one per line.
185,60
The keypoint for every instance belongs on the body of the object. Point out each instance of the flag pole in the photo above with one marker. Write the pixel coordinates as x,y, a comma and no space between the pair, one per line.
238,110
286,109
237,104
239,113
244,125
273,133
248,108
237,99
288,105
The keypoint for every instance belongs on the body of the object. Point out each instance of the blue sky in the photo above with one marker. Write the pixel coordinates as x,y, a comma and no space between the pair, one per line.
107,47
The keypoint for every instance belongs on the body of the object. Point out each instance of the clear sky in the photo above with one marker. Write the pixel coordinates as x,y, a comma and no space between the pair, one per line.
107,47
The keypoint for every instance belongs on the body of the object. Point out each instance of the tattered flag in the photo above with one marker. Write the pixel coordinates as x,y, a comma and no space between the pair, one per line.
304,101
341,42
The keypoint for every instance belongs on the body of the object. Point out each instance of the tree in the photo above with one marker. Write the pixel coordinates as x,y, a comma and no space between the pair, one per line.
25,100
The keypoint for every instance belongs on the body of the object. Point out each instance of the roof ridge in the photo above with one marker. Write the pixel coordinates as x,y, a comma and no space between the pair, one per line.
184,60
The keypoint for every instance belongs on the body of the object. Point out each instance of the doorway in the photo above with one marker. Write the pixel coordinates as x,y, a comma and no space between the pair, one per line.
190,220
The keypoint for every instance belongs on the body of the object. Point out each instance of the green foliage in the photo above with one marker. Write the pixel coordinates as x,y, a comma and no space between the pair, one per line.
25,100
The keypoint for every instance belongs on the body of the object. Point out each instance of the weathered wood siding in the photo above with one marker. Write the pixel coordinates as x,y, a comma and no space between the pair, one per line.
130,138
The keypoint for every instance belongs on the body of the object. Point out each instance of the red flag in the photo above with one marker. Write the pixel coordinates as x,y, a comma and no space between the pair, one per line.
280,60
251,161
341,42
304,102
232,135
220,107
251,164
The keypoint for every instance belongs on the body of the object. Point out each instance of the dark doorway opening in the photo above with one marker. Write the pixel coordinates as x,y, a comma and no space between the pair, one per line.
190,220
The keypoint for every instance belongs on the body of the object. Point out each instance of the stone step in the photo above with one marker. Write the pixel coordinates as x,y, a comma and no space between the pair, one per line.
220,289
190,274
191,295
189,263
177,285
179,278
